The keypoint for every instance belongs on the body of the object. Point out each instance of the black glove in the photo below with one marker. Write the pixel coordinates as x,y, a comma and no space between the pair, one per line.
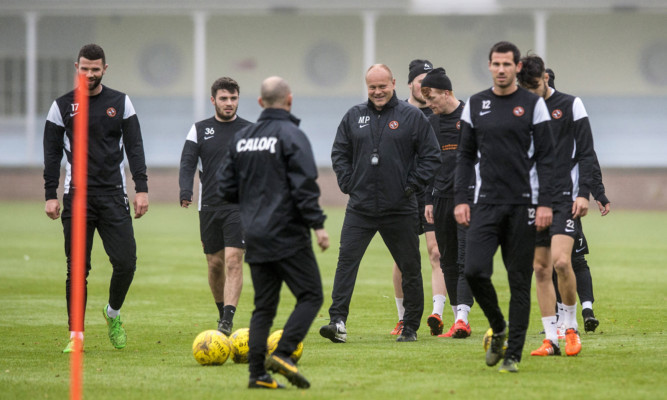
409,191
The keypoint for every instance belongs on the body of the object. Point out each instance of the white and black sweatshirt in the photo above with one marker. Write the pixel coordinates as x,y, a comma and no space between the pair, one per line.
113,129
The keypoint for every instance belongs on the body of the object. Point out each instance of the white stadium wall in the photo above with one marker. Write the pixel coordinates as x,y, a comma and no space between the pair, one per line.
614,61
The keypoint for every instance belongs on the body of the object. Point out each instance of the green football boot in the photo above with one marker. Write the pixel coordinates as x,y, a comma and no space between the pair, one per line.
73,345
117,334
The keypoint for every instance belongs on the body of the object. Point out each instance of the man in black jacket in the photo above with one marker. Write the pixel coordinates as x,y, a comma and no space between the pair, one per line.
505,129
113,127
219,221
385,151
270,171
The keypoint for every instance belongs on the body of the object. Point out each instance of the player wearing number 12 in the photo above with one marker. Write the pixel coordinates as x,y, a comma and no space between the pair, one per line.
506,129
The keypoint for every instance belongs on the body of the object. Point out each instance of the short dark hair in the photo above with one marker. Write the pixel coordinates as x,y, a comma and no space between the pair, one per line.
552,77
92,52
506,47
531,72
225,83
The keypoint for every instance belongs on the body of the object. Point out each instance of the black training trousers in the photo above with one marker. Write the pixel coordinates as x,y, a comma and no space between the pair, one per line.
302,276
399,233
451,238
513,228
110,215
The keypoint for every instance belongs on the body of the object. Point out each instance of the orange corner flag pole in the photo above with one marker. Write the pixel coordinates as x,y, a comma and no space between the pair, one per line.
79,202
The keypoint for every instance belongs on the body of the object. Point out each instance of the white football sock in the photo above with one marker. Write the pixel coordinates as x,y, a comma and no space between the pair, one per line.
73,334
587,304
560,314
111,312
462,312
400,308
439,304
549,324
454,310
570,313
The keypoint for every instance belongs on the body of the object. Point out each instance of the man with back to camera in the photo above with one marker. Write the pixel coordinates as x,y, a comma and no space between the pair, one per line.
219,222
506,130
384,152
451,237
113,127
416,73
270,172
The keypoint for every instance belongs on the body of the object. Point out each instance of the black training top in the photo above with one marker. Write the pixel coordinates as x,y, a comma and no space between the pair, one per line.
448,132
113,127
205,147
573,140
512,138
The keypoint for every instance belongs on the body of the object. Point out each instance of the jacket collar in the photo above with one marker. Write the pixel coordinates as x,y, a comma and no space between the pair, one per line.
278,113
390,104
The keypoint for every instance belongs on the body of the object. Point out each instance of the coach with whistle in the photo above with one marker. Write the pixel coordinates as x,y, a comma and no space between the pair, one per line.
385,150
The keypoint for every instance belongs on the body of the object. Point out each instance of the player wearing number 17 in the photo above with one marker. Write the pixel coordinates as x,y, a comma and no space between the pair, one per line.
113,128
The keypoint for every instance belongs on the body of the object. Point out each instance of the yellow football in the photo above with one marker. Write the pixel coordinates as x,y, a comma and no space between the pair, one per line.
239,341
272,344
211,348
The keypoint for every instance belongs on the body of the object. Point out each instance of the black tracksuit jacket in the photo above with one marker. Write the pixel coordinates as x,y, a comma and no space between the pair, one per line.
270,171
408,155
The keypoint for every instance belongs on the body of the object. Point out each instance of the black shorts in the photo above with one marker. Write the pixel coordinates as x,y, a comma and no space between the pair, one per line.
563,224
220,229
580,247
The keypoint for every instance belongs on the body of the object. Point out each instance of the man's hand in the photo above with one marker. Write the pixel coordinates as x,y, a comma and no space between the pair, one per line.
140,204
543,218
186,203
580,207
52,208
462,214
428,213
604,210
322,238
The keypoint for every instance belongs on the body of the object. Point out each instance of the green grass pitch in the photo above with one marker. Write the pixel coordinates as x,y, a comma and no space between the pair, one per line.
170,303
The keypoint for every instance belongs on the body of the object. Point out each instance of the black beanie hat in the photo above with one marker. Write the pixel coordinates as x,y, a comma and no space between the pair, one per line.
418,67
437,79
